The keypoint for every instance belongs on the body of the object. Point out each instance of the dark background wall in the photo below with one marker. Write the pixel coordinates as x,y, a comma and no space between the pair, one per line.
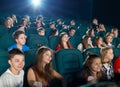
67,8
106,11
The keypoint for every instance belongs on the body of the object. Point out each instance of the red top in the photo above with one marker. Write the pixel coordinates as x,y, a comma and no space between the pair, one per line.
117,64
58,47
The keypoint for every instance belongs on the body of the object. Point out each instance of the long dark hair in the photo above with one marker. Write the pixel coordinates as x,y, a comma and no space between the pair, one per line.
61,43
44,73
85,42
87,65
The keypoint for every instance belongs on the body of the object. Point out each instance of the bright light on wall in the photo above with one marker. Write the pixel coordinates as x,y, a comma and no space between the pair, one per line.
36,2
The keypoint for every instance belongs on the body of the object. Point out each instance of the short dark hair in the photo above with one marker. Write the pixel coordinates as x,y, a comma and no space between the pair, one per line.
41,28
17,33
71,28
13,52
51,23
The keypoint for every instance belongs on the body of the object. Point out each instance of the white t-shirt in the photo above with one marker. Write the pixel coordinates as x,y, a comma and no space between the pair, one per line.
8,79
80,47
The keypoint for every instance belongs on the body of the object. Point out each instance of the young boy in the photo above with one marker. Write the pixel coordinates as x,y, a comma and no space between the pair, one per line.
41,31
13,77
20,39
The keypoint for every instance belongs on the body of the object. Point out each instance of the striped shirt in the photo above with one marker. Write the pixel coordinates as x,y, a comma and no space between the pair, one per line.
108,71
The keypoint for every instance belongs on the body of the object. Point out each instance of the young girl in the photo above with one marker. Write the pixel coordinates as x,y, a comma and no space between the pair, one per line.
109,40
91,32
86,43
92,70
99,42
107,67
42,71
64,42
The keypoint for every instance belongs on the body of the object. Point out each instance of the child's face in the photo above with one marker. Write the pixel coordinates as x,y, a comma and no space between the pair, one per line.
89,41
72,22
17,63
95,21
21,39
109,39
72,32
47,57
65,38
100,41
96,65
8,22
42,32
102,26
109,55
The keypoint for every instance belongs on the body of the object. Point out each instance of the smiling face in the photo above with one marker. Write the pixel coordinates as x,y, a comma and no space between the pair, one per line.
96,65
17,63
109,55
21,39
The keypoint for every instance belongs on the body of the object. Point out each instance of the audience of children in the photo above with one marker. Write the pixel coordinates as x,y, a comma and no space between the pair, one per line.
94,66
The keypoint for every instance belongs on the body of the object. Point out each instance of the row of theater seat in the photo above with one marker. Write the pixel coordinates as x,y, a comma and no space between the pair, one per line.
67,62
35,40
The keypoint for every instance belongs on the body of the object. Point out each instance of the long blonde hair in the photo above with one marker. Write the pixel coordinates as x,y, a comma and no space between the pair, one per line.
103,53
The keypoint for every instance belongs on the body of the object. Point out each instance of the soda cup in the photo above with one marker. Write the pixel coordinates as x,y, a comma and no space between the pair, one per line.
37,84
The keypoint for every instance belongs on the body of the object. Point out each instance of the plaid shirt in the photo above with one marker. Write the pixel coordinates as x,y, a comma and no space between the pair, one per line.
108,72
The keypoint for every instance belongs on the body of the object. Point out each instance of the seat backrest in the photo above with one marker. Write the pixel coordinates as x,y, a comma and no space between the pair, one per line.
34,41
116,41
91,50
6,41
30,57
3,61
116,52
33,30
3,30
68,62
53,42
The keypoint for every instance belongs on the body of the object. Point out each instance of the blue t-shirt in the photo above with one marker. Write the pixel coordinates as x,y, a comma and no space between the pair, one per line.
24,47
